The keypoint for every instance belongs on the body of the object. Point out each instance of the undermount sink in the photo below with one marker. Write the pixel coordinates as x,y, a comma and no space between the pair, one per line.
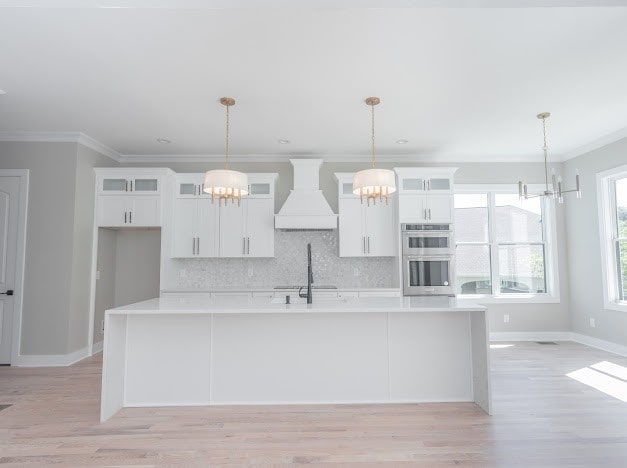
294,299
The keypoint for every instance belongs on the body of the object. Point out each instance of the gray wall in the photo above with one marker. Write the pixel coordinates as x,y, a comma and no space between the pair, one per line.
137,263
105,285
523,317
58,243
584,247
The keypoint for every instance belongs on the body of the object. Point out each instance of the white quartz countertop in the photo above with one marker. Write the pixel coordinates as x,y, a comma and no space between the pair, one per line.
238,305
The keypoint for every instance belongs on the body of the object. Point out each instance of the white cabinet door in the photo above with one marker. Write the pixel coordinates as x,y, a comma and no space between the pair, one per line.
232,233
380,230
351,234
208,232
185,228
113,211
259,227
439,208
411,208
144,211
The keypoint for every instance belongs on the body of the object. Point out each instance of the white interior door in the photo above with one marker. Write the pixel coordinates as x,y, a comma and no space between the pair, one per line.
9,211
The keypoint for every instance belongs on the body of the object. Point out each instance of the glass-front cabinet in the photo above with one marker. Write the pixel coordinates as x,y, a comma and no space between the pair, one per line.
146,185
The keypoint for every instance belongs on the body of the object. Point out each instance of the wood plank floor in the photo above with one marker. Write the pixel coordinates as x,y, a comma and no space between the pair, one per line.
542,418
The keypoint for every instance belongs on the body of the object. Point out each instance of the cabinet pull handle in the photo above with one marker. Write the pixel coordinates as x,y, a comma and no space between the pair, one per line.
126,185
193,246
243,246
363,243
248,245
198,245
429,213
125,217
429,184
202,189
131,185
368,244
130,217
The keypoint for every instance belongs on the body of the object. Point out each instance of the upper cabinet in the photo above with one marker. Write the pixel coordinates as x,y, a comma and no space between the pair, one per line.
425,195
364,231
209,228
129,197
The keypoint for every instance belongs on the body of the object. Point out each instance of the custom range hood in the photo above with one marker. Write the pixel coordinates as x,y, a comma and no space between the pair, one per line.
306,207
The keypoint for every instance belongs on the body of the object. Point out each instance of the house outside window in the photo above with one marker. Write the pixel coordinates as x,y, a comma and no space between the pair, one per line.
612,199
504,246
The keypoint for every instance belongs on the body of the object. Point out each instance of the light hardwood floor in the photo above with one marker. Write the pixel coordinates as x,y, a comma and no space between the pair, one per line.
541,419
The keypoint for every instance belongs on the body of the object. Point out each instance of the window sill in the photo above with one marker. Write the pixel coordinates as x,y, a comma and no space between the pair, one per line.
511,299
619,306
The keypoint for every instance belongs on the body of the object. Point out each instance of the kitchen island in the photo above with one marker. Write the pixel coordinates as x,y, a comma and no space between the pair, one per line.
176,351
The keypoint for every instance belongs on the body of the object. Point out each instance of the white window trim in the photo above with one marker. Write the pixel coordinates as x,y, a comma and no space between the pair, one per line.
549,226
607,222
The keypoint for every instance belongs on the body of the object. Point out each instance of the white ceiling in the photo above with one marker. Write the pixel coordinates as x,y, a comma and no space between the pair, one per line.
460,84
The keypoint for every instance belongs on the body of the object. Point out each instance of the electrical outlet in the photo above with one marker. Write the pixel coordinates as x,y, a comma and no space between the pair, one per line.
250,271
182,273
506,318
102,328
355,271
593,323
97,274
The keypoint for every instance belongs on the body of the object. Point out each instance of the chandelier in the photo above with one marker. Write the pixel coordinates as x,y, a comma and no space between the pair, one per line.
374,183
556,191
225,184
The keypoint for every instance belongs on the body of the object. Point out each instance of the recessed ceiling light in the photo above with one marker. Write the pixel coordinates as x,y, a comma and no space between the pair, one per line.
402,141
164,140
283,141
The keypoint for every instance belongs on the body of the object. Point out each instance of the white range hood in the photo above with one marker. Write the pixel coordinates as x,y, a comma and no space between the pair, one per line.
306,207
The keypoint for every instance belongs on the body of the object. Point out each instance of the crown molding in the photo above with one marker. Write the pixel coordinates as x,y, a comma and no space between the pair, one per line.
596,144
62,137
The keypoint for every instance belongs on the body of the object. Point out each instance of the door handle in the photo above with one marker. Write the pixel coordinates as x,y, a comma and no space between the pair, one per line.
8,292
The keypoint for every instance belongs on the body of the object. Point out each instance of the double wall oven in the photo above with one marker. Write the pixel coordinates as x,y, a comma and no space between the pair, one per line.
428,259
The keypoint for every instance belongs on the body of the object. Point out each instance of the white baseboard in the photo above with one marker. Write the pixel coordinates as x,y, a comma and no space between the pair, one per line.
530,336
51,360
561,336
599,344
96,347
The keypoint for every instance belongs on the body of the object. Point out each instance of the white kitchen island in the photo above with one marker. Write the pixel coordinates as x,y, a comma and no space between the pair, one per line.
178,351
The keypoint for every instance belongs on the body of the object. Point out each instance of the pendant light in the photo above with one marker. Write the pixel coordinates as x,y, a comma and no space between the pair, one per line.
374,183
225,184
556,191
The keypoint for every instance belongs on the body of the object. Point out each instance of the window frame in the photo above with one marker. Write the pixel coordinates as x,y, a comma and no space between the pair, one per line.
549,235
608,235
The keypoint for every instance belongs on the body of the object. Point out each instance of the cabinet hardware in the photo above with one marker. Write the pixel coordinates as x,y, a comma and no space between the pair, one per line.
131,185
198,246
126,185
130,217
429,184
429,213
125,217
243,246
248,246
424,184
363,243
193,246
8,292
368,244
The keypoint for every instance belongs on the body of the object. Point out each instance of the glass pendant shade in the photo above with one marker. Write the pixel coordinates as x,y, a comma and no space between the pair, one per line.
225,182
375,182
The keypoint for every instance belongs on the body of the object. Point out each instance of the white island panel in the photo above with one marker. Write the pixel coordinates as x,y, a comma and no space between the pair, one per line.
430,357
318,358
167,360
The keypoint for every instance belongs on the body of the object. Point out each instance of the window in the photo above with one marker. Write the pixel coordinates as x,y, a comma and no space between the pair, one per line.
612,186
502,244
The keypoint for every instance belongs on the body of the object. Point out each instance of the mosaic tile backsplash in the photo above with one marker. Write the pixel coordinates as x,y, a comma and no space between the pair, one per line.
289,267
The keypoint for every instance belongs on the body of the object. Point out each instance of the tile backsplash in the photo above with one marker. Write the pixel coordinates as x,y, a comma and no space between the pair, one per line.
289,267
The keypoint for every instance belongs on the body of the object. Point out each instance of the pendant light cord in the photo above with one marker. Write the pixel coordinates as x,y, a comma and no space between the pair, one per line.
226,157
372,114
